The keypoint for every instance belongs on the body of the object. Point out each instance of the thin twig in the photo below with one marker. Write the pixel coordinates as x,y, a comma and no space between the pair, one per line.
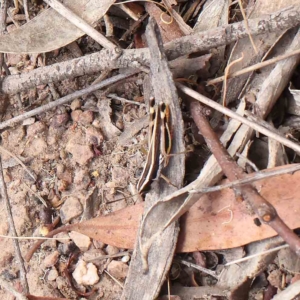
255,255
128,11
13,231
254,67
32,238
4,284
197,267
3,150
247,26
66,99
114,279
81,24
250,179
233,115
35,194
115,97
3,15
25,5
263,209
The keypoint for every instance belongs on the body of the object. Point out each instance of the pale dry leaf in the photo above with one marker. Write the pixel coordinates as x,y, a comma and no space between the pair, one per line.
49,30
216,221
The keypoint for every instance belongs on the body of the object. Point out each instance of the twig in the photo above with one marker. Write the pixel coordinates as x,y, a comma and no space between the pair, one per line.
65,99
81,24
35,194
114,279
25,5
115,97
13,231
263,209
100,61
32,238
3,14
254,67
197,267
233,115
250,178
109,27
255,255
3,150
246,26
4,284
128,11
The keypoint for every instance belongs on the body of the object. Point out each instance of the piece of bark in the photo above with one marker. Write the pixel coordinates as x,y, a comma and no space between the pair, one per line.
160,255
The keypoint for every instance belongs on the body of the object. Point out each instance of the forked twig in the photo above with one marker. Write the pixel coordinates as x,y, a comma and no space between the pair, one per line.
264,210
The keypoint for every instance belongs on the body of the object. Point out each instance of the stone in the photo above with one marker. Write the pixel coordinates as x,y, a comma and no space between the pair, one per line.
274,278
82,241
52,275
76,104
117,269
71,209
37,147
82,179
35,128
82,117
94,136
60,120
111,250
50,260
81,153
85,274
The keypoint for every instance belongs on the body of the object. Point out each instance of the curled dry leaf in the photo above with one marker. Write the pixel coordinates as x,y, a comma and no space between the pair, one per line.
49,30
216,221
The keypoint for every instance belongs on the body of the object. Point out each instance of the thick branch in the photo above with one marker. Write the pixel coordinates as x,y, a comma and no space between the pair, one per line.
134,57
264,210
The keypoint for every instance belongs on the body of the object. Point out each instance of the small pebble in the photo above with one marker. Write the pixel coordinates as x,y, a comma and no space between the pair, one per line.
112,250
71,209
125,259
52,275
85,274
117,269
50,260
76,104
82,241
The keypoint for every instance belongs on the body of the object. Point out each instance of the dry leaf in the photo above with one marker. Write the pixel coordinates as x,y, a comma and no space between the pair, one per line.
217,221
49,30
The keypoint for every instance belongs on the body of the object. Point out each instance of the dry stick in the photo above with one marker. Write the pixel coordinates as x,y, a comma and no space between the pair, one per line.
25,5
4,284
13,231
81,24
250,178
254,67
238,117
246,26
66,99
100,61
264,210
3,14
255,255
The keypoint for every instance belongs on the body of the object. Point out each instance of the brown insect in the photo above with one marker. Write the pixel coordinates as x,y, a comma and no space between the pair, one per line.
159,142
